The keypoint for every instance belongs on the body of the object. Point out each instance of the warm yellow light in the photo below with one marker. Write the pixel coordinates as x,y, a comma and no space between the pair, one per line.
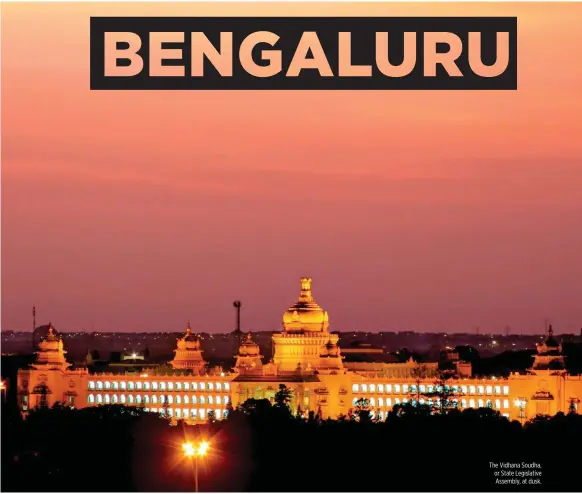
2,385
190,450
134,355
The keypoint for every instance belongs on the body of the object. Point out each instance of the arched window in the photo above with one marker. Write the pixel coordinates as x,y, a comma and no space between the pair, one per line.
396,401
480,403
162,386
421,401
498,404
107,399
488,404
170,386
163,399
186,386
193,413
122,385
372,388
186,399
380,402
138,385
480,389
505,403
463,403
355,388
226,386
218,386
210,400
115,385
388,388
178,413
217,400
217,413
405,388
472,390
130,399
154,399
397,388
472,403
99,399
464,389
91,384
211,386
146,399
99,385
194,386
178,400
122,399
202,400
170,399
178,386
91,398
202,413
364,388
138,399
154,386
114,399
130,386
497,390
146,386
388,402
202,385
194,400
489,390
372,402
380,388
107,385
355,402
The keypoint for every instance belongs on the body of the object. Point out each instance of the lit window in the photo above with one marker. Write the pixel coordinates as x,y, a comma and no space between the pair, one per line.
154,386
405,388
489,390
202,401
115,385
163,399
372,414
99,385
130,399
505,403
506,415
130,386
99,399
438,402
178,386
138,385
122,399
107,399
170,399
193,413
472,403
146,399
497,390
91,399
202,413
380,388
122,385
355,388
430,388
154,399
464,389
455,403
397,401
421,401
422,388
388,402
138,399
498,404
226,400
202,385
186,400
217,414
217,400
380,402
178,413
186,386
170,412
91,384
210,400
489,404
114,399
218,386
364,388
162,386
372,402
146,410
194,400
170,386
146,386
455,389
439,388
372,388
480,390
430,402
178,400
463,403
381,415
210,386
480,403
405,401
355,402
226,386
397,388
413,388
472,390
388,388
505,390
154,410
194,386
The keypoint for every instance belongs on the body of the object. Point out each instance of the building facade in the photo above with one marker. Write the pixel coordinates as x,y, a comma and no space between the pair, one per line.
306,359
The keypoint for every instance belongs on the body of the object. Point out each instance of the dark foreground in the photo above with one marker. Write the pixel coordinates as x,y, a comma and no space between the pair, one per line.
263,448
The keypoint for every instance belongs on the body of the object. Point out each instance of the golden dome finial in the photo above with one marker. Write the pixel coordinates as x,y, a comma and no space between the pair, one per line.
305,295
188,328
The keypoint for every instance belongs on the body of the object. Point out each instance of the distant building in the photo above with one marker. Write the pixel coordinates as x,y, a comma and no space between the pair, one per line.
308,360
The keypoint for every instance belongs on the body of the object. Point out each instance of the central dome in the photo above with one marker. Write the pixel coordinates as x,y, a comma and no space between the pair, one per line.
305,314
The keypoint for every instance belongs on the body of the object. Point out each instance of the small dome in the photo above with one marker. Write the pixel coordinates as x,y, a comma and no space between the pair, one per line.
305,314
189,340
330,350
248,346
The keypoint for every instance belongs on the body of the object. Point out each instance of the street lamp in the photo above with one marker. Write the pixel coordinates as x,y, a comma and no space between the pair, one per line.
195,451
520,403
3,389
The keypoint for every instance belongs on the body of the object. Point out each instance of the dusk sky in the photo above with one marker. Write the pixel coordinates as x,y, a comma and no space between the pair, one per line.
424,211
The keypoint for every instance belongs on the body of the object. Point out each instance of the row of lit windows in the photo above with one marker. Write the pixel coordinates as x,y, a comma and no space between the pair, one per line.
422,388
383,415
146,399
381,402
161,386
185,413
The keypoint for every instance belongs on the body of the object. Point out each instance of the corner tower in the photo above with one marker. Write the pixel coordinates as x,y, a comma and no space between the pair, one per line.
305,334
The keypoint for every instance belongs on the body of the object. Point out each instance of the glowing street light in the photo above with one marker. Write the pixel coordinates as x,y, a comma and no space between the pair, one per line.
195,451
3,389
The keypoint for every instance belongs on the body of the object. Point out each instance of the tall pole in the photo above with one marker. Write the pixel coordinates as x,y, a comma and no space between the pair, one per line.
33,326
237,305
196,473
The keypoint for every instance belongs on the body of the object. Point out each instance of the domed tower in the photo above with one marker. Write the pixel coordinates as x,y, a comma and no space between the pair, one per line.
549,354
305,332
249,358
51,353
330,357
188,353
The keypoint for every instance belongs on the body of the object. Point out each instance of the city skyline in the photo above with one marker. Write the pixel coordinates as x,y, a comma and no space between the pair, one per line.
420,211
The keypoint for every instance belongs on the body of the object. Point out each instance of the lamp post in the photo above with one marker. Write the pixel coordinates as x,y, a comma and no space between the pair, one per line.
195,451
520,403
3,389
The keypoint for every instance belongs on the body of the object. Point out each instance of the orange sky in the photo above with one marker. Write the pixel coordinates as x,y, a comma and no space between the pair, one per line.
427,211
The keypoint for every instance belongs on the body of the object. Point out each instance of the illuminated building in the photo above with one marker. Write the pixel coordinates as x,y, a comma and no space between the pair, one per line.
308,360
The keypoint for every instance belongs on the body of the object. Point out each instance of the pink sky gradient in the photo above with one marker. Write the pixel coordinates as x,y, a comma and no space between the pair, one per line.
426,211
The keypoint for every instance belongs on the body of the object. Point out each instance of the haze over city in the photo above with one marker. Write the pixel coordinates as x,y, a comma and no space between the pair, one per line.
419,211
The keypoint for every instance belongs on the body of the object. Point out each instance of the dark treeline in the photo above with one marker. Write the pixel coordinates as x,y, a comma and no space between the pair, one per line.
262,447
